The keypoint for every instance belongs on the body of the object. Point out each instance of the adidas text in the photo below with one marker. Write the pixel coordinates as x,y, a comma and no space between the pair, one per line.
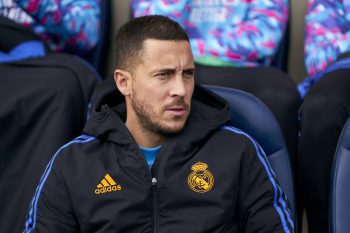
108,189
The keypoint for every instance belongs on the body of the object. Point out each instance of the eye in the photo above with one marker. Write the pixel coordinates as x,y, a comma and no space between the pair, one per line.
189,74
163,75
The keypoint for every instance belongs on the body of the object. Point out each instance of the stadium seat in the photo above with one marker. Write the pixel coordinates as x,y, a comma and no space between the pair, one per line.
339,211
249,114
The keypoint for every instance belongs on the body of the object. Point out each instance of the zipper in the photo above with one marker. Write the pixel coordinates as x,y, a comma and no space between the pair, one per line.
156,185
155,204
153,173
154,193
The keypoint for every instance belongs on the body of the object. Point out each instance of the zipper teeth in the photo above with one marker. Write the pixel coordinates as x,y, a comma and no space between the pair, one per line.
155,205
154,195
153,172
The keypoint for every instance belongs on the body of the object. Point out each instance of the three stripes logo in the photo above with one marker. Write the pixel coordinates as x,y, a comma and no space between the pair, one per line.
107,185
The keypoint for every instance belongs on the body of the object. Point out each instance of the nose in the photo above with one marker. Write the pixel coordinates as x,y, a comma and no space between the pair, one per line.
178,87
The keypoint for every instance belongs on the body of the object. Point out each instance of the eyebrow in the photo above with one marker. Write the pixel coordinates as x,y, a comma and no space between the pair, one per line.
164,70
190,69
171,70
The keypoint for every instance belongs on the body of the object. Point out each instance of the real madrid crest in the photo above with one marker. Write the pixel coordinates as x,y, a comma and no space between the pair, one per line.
200,180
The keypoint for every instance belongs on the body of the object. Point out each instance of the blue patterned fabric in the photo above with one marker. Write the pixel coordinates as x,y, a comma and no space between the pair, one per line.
241,33
326,37
66,25
327,33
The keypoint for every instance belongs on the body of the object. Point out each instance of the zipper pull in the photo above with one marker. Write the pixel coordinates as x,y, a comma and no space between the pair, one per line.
154,181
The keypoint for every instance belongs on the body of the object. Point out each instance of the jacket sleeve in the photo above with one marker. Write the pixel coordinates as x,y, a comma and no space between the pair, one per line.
50,210
262,204
326,34
174,9
255,39
72,25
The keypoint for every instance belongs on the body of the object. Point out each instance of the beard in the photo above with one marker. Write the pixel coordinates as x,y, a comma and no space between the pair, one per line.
146,115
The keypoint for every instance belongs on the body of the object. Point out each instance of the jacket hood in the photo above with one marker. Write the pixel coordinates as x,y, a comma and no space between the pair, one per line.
208,113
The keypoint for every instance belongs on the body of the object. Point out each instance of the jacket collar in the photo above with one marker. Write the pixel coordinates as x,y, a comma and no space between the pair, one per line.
208,113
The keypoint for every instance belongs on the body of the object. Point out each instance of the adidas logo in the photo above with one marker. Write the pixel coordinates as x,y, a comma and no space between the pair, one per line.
107,185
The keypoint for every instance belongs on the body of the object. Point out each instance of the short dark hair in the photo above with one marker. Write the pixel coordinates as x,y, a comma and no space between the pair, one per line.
130,37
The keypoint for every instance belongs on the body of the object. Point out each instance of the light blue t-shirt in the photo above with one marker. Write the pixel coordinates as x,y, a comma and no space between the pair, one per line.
150,154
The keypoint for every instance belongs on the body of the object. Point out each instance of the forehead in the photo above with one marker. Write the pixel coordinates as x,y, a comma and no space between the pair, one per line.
167,51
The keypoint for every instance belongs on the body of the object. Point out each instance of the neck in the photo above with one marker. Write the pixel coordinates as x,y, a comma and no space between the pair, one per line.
145,138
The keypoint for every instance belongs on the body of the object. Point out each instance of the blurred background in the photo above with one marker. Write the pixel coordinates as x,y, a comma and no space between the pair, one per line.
296,69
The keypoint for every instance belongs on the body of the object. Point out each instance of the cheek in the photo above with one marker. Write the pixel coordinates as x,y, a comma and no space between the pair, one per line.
190,87
189,94
157,96
153,101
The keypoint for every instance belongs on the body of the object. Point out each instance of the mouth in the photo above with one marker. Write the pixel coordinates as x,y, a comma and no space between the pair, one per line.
177,111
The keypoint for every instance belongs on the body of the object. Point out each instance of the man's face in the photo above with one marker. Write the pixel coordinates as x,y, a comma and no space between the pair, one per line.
162,87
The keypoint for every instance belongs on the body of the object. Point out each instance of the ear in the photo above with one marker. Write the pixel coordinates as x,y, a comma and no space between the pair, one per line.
122,79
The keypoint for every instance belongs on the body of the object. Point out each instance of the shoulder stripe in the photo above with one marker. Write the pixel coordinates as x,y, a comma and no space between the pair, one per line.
31,218
279,197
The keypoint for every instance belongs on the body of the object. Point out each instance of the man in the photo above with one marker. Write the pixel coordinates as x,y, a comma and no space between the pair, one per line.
158,157
237,44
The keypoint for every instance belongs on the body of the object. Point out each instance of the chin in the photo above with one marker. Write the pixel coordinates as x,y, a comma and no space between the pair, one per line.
172,129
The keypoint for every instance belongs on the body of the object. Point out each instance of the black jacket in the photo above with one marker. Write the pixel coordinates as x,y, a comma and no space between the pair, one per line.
208,178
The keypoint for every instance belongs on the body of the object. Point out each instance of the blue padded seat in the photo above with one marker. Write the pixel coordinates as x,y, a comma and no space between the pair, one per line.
252,116
340,185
